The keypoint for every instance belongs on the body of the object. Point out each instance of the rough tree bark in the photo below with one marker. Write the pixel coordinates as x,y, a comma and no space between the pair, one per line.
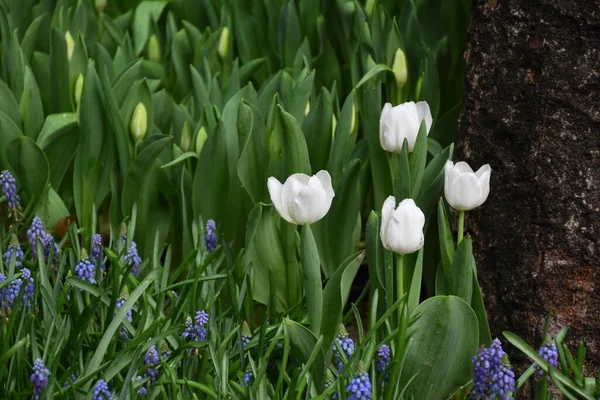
532,111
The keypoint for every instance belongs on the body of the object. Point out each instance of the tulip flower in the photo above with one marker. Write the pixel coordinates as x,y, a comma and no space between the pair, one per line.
400,69
465,189
402,122
302,199
139,123
402,228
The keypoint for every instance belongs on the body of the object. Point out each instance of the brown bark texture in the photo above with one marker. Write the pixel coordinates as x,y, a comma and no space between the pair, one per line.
532,111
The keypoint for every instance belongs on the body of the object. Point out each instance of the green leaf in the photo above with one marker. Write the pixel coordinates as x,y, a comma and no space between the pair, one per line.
30,168
8,104
304,347
335,295
9,131
446,239
289,148
442,341
344,140
377,69
460,281
317,128
145,13
289,33
417,159
485,336
415,286
52,209
254,159
59,73
311,270
375,252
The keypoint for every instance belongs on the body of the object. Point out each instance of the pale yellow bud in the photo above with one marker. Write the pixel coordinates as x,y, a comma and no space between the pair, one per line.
200,140
70,45
369,7
139,123
307,109
186,137
333,125
223,48
353,120
78,89
100,5
399,68
154,49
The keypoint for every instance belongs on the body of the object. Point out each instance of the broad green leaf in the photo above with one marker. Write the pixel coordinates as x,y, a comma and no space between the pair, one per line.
460,281
254,159
414,294
9,131
375,252
289,154
30,168
485,336
442,340
304,345
289,33
52,209
59,73
317,129
8,104
377,69
344,139
31,106
145,13
445,238
311,271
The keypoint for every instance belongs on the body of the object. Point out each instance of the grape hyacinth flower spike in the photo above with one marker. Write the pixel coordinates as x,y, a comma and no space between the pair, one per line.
151,359
97,256
195,330
383,357
346,343
248,376
493,376
39,377
549,353
123,332
210,238
132,259
85,268
101,391
360,387
37,232
14,248
8,184
246,334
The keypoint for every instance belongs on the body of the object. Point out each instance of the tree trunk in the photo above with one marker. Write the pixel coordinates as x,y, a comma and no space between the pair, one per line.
532,111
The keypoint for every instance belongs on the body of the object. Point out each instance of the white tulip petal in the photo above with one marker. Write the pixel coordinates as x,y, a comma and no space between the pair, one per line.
483,174
386,216
465,192
275,191
463,168
424,113
325,179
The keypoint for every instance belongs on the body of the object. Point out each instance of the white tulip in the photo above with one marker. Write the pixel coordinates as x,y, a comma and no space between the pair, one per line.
302,199
463,188
402,122
402,228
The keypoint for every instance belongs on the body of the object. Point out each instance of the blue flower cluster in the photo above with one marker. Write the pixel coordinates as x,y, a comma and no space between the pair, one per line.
14,248
151,359
123,332
39,377
210,238
37,232
86,269
101,391
383,357
360,387
132,258
346,344
248,376
8,183
246,334
549,353
97,256
195,330
10,293
72,379
493,377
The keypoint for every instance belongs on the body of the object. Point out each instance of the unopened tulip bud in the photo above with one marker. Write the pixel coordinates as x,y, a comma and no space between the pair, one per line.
353,120
200,140
78,89
307,109
302,199
223,48
400,69
464,189
100,5
154,49
186,137
139,123
402,226
333,125
70,45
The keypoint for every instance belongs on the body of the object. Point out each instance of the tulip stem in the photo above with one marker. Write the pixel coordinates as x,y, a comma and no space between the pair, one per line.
461,226
399,281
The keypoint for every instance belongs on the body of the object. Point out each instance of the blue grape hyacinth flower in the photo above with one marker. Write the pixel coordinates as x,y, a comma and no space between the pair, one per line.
37,232
123,332
384,357
549,353
210,238
492,377
101,391
346,343
360,387
97,256
246,334
132,258
248,376
195,330
39,377
85,268
8,184
14,248
151,359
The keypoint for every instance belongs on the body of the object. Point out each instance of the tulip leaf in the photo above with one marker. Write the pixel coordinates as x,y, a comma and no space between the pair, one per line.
338,233
335,296
304,344
31,106
289,33
30,167
289,147
9,105
442,341
460,280
298,98
417,160
377,69
375,252
445,238
59,139
59,73
145,13
138,93
414,293
317,128
265,252
254,159
9,131
344,139
311,271
403,181
433,181
180,159
485,336
51,208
